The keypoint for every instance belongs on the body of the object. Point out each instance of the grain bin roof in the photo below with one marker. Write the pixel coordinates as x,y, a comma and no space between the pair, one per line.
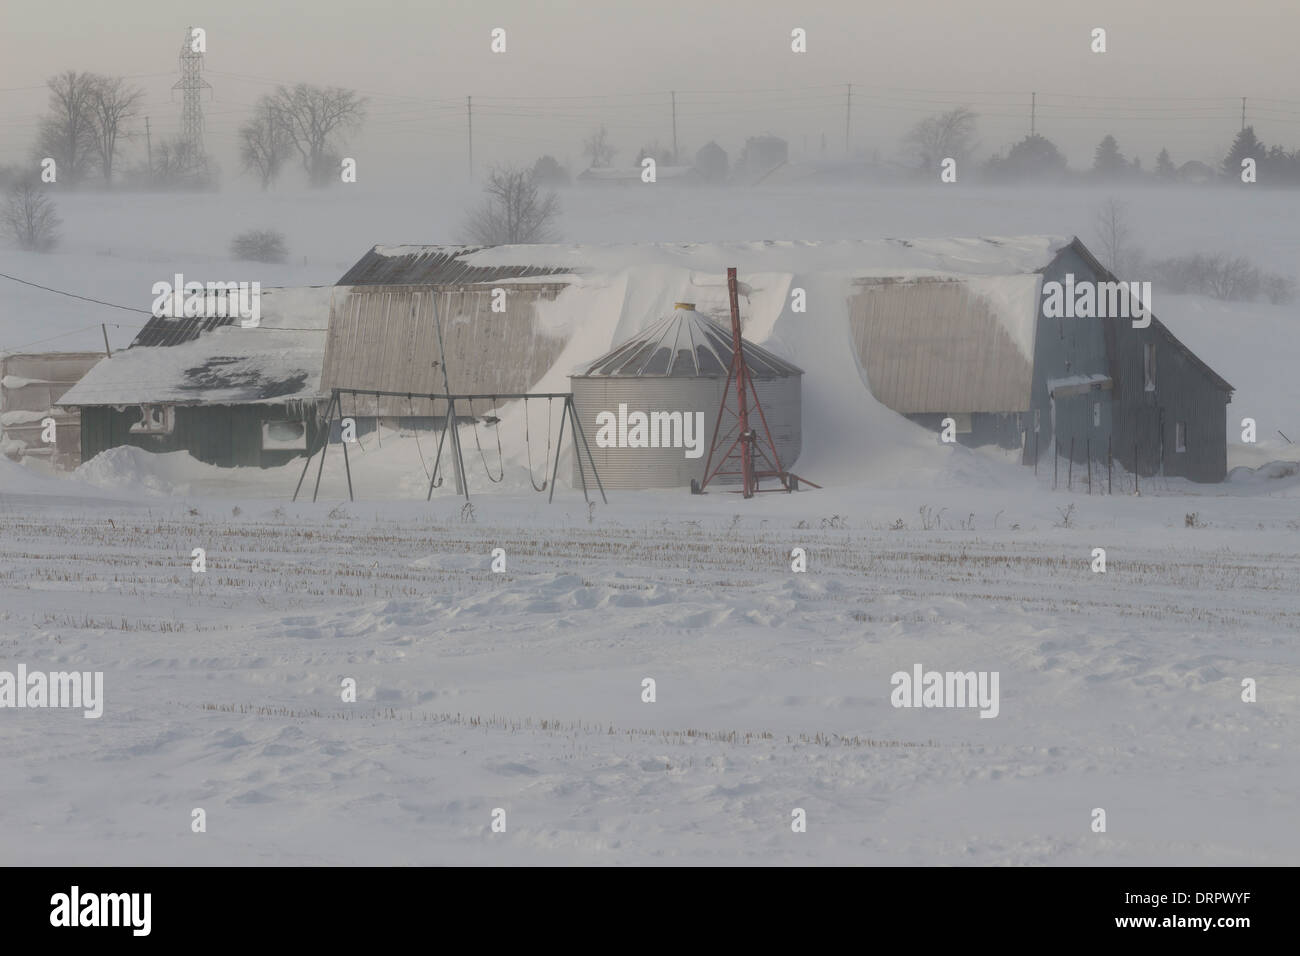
685,344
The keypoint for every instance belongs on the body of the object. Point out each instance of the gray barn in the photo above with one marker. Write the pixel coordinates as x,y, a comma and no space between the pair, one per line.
1101,383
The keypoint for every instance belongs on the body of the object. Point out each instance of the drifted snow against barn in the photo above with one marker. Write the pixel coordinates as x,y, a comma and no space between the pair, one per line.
932,329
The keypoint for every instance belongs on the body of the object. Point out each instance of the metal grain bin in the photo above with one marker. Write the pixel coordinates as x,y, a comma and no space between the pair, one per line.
649,407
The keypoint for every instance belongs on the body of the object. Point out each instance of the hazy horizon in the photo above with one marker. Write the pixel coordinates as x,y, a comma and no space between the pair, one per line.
1172,76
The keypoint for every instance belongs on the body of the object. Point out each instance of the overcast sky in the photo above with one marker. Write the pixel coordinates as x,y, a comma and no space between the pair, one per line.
1172,76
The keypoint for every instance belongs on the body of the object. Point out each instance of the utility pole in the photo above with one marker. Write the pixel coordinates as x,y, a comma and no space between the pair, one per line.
1033,114
148,145
469,116
674,127
848,112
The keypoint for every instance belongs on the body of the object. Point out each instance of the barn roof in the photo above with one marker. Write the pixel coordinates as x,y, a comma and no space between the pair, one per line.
685,343
216,361
433,265
463,265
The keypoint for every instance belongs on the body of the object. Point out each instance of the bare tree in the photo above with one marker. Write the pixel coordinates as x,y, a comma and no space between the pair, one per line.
1113,236
312,117
264,142
29,218
113,104
513,210
943,136
177,165
67,134
599,149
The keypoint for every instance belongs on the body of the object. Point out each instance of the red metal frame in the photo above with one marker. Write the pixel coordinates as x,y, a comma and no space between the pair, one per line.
750,446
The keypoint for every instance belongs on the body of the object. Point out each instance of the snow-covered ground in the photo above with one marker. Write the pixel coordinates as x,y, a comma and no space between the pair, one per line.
522,690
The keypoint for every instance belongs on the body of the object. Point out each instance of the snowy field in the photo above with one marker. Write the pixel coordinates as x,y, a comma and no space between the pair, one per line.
522,690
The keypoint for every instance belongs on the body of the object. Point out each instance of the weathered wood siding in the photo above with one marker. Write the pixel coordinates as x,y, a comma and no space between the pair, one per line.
384,338
1139,422
1064,348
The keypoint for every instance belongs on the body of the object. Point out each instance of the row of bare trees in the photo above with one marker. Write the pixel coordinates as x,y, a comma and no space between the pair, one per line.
303,119
89,116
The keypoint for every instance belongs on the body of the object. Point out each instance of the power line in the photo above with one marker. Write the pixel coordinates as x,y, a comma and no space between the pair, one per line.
73,295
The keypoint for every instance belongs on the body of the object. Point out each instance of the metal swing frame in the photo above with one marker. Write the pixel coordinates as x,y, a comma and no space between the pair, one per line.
333,411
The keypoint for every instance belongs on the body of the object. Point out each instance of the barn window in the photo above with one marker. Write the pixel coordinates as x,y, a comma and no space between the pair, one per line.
1180,436
1096,414
155,420
1149,366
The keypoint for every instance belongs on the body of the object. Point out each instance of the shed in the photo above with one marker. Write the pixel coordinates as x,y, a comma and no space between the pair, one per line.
226,394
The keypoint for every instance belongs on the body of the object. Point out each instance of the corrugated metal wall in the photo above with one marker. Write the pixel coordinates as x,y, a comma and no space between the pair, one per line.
669,467
935,346
384,338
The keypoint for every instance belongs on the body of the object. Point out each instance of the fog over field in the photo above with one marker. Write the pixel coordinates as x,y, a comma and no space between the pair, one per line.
385,668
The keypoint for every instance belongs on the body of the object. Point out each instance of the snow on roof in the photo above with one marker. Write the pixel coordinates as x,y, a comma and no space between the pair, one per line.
278,361
685,344
1073,384
901,258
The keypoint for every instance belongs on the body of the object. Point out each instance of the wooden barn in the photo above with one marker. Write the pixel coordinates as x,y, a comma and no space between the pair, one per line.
382,333
228,395
31,386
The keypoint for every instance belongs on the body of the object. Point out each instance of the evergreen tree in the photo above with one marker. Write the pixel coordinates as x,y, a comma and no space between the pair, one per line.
1245,145
1165,167
1109,162
1034,157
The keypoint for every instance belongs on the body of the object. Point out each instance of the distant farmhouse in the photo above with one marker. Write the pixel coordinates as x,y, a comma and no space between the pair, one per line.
941,329
666,175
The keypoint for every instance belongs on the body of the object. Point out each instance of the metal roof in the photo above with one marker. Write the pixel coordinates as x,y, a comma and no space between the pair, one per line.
686,344
166,331
435,265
